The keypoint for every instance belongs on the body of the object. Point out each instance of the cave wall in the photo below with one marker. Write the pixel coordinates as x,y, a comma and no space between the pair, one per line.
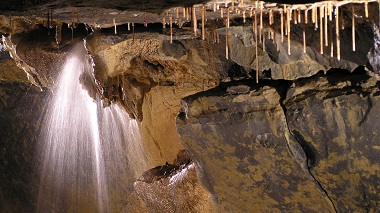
310,145
274,146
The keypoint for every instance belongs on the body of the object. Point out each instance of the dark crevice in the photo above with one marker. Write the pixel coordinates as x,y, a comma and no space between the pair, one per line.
306,146
367,111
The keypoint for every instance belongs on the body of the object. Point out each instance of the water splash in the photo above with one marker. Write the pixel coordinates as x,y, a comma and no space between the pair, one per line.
83,146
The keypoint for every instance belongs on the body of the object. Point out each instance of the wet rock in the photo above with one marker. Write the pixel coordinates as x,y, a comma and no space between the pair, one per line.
136,65
241,144
9,70
241,89
335,119
21,109
174,188
310,146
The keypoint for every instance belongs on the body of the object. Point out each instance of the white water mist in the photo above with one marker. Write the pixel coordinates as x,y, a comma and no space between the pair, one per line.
84,147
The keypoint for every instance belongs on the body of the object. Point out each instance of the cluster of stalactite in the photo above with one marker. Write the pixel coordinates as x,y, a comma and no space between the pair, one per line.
325,16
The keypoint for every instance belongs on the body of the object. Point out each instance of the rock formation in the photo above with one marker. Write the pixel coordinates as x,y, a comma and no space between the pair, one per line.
277,102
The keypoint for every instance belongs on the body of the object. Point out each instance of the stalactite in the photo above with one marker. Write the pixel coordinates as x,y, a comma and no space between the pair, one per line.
171,28
228,17
306,17
299,15
288,14
261,15
194,20
180,23
177,13
353,27
133,31
261,20
326,27
250,12
337,32
226,38
286,23
163,23
331,6
184,12
129,26
58,33
342,19
295,17
187,13
145,23
114,24
304,40
331,40
316,18
282,25
203,21
270,17
221,12
214,34
214,7
321,10
313,15
256,51
244,16
366,9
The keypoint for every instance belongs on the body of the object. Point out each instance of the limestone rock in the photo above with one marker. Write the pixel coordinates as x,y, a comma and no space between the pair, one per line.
335,119
240,143
309,146
135,65
174,188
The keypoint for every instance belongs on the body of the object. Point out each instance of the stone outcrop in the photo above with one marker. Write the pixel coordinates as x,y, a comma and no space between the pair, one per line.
310,145
127,68
174,188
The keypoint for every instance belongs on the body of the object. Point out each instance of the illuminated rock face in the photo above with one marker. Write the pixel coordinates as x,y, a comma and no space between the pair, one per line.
309,146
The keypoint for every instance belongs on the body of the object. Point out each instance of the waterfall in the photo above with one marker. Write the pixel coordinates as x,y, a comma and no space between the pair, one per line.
84,147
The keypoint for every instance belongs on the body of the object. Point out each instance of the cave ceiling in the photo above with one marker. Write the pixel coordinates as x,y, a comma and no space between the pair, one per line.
100,13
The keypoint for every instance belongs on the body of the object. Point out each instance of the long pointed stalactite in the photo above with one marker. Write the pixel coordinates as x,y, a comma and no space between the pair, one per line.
321,11
288,15
337,31
353,28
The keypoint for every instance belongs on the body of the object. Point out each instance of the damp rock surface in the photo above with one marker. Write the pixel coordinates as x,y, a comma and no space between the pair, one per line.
174,188
287,146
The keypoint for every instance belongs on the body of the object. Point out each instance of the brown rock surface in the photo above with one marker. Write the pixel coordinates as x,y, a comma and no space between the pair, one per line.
315,153
174,188
335,119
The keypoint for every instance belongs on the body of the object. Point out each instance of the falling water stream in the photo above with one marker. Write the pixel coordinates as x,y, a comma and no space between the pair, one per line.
83,145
